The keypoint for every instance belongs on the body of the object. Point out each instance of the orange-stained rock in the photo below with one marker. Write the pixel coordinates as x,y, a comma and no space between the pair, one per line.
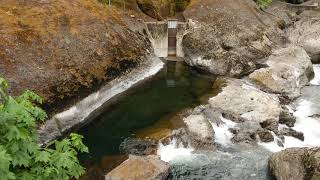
140,168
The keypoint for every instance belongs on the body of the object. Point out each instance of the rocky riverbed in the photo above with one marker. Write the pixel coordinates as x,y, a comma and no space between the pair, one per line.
273,106
79,55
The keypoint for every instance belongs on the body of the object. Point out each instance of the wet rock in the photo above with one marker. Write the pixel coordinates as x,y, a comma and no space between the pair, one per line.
270,125
200,131
137,168
289,70
296,164
179,135
253,109
227,38
246,136
139,147
48,131
317,116
293,133
286,117
240,100
265,136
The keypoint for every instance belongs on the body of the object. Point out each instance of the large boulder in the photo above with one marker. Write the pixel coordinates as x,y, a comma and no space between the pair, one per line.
140,167
228,37
200,131
254,111
289,70
241,101
305,33
296,164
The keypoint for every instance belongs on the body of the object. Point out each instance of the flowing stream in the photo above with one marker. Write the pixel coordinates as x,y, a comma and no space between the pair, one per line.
152,110
233,162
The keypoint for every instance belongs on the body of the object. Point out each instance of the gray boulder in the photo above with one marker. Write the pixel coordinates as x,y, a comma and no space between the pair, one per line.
244,102
200,131
254,110
305,33
289,70
228,37
296,164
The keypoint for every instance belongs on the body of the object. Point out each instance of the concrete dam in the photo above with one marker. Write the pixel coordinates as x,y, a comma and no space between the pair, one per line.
166,38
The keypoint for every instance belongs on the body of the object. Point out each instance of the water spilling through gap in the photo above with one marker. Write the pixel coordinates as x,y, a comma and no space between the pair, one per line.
153,104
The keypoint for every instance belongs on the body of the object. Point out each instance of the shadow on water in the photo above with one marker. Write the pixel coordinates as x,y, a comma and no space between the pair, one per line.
173,89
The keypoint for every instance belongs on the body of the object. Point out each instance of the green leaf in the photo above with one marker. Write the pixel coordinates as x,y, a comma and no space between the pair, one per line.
21,157
43,156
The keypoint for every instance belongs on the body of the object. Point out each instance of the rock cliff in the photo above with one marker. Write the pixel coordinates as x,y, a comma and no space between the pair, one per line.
63,49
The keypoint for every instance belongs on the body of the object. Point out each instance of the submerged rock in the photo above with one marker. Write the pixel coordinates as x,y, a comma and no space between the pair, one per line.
296,164
137,168
140,147
289,70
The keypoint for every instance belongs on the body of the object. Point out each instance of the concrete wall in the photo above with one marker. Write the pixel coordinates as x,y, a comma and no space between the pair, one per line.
158,35
181,31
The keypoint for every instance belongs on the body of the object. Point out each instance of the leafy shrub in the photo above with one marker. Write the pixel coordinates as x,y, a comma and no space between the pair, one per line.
264,3
21,157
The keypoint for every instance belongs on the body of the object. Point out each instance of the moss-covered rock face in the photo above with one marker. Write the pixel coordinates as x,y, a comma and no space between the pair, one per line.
63,48
161,9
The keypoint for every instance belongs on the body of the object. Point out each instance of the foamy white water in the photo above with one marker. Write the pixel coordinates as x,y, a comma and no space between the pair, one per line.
222,135
173,151
309,126
316,79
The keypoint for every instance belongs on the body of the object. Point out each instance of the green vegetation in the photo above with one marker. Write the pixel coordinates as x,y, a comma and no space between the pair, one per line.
264,3
181,5
21,157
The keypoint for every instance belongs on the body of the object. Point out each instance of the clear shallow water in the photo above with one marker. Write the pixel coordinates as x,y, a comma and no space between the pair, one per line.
173,89
233,162
152,107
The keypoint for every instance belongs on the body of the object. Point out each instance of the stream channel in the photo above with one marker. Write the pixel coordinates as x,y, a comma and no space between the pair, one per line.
155,108
149,110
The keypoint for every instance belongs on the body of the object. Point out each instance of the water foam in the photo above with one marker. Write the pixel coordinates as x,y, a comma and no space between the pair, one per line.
309,126
316,79
221,132
174,151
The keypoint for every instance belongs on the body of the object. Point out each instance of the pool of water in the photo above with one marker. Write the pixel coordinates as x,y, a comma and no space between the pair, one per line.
151,109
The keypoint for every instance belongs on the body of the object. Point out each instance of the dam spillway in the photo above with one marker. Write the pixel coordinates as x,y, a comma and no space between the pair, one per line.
166,38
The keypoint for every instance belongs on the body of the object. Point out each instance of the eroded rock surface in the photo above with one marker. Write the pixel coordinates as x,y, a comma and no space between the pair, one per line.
228,36
289,70
296,164
305,33
140,167
241,101
200,131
